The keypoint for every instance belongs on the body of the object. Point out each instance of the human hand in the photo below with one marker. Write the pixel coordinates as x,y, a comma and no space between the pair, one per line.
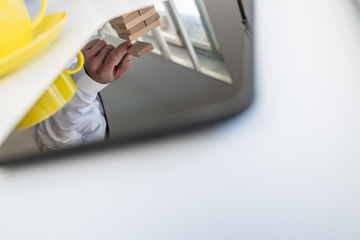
102,60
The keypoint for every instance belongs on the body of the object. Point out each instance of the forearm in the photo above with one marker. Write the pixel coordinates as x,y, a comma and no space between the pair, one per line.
80,121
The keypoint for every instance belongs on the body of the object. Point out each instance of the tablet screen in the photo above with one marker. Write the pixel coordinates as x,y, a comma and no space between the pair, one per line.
201,70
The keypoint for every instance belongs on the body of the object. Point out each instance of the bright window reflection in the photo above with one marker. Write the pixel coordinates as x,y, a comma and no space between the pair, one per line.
167,24
191,18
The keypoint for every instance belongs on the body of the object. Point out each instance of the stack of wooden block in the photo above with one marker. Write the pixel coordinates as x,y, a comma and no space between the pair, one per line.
133,25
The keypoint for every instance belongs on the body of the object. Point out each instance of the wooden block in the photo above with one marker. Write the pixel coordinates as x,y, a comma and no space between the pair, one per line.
126,15
121,29
144,10
137,20
140,49
118,29
124,20
140,33
152,19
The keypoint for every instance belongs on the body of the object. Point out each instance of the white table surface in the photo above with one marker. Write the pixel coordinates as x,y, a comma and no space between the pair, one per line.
288,168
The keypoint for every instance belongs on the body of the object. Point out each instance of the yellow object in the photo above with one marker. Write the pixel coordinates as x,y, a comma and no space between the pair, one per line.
15,25
55,97
44,34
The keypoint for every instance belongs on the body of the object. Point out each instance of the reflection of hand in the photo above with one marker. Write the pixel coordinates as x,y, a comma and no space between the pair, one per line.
102,60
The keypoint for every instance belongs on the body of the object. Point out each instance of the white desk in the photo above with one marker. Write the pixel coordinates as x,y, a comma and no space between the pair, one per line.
286,169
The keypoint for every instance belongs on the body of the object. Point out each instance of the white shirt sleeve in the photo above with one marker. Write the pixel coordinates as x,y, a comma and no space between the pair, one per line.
80,121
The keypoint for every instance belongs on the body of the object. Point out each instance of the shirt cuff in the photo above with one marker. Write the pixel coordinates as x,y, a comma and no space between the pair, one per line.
87,88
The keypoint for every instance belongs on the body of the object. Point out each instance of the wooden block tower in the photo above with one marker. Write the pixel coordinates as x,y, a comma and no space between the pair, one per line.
133,25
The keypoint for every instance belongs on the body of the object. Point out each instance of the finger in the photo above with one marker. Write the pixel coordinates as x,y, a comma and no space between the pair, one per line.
105,52
98,61
96,49
90,44
114,56
123,66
